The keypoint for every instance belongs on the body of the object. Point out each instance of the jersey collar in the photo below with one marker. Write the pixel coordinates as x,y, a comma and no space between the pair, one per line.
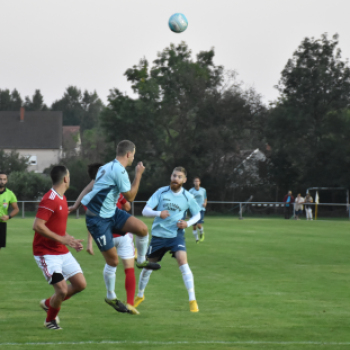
177,193
56,193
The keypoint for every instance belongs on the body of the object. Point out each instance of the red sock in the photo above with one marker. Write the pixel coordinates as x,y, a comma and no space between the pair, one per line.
52,313
47,301
130,285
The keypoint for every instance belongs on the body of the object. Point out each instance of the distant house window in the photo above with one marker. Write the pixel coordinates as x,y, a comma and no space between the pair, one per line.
32,160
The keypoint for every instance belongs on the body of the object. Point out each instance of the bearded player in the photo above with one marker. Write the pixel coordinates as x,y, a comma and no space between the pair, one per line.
169,205
49,247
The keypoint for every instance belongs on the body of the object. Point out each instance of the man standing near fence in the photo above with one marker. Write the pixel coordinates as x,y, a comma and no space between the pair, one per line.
7,198
288,205
308,207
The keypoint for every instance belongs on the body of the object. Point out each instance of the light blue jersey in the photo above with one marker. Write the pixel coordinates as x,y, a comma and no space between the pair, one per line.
200,196
177,204
111,180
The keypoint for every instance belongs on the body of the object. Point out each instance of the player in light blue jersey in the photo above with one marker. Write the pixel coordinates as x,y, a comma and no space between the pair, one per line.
169,206
103,218
200,194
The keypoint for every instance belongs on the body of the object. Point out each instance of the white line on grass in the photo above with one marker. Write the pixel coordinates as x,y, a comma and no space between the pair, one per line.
145,342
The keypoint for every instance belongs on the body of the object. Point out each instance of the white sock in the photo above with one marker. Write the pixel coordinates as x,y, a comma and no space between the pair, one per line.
201,230
195,234
109,277
143,281
187,276
141,245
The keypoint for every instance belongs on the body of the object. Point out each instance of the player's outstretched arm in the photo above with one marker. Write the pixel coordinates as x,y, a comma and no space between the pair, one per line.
130,195
85,191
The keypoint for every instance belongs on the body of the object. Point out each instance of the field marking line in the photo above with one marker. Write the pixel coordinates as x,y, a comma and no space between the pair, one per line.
146,342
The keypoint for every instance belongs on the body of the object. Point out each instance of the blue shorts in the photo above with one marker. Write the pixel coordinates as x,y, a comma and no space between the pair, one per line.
201,220
159,245
101,229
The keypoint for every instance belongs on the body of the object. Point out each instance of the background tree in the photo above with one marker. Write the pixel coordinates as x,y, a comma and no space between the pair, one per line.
79,108
36,103
187,113
28,185
309,126
12,161
10,101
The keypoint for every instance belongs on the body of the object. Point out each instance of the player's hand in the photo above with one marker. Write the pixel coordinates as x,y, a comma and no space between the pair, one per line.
139,169
90,250
164,214
72,208
4,218
72,242
182,224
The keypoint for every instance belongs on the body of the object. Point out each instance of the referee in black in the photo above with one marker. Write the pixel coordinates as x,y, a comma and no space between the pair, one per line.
7,198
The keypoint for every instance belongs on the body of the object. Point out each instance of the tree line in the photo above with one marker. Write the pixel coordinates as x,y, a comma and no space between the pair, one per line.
191,112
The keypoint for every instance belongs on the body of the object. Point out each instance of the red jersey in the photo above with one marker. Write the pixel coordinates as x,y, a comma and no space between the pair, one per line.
120,203
54,210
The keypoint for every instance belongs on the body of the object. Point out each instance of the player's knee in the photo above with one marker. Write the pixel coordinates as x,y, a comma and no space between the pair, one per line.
112,261
80,286
143,231
61,293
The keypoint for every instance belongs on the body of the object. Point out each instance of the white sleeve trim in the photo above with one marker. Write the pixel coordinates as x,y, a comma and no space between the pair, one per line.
46,208
148,212
194,220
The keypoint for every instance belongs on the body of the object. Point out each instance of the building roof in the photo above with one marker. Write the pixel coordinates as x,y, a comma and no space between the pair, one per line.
69,130
39,130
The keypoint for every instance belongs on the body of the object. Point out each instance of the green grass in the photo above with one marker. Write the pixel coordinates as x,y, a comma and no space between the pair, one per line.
259,283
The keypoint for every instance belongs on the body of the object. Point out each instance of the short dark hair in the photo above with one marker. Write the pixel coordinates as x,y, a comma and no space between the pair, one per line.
57,174
3,173
182,169
197,177
93,169
124,147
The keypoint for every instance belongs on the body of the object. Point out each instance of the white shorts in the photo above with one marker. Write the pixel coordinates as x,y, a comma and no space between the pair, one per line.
64,264
125,246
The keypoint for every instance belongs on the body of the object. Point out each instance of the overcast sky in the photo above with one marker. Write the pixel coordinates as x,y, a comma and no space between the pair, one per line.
49,45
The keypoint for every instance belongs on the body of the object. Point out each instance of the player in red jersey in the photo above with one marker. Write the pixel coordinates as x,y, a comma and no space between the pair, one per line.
49,247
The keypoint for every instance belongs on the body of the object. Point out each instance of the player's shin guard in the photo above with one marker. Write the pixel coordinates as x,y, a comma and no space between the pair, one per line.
109,277
130,285
187,276
195,234
141,245
143,281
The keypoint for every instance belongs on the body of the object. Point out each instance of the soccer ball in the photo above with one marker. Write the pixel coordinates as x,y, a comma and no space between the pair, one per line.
178,23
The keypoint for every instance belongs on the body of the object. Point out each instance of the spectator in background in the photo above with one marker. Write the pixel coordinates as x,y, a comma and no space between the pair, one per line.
299,206
288,205
7,198
308,207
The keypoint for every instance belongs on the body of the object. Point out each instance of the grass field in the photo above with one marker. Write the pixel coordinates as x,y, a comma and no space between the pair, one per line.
260,284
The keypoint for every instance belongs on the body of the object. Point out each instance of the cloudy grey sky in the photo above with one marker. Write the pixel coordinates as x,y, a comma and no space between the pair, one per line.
50,44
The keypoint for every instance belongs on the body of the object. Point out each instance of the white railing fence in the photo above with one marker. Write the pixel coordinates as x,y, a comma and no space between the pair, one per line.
235,209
